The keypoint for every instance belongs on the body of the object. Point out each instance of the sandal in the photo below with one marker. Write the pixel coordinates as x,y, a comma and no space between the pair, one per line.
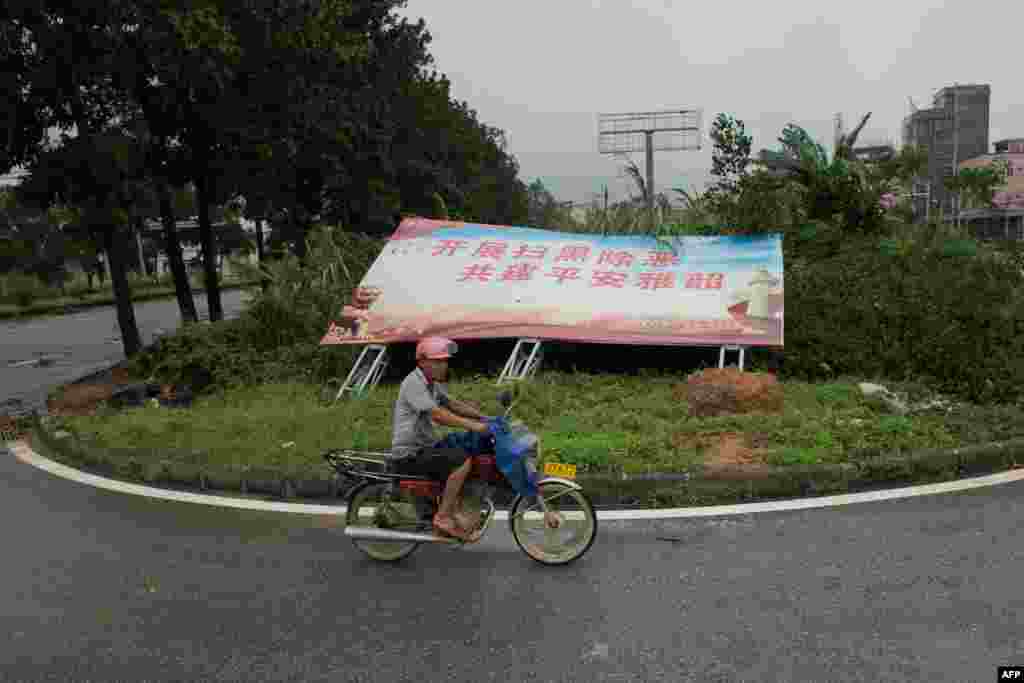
468,520
448,527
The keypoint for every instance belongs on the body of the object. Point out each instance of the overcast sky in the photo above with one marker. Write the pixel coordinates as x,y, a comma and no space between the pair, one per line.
542,70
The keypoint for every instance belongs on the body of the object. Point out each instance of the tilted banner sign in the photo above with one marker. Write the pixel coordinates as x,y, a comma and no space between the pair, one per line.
469,281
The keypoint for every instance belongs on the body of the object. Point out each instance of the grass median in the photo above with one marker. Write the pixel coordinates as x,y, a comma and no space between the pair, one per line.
604,424
62,305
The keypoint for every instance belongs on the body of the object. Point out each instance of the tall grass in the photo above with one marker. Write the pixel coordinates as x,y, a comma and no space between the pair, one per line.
631,218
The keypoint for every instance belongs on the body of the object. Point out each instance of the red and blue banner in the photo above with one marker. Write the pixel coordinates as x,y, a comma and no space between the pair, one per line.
473,281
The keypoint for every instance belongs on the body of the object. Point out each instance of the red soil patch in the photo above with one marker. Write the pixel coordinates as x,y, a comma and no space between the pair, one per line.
8,427
729,452
84,399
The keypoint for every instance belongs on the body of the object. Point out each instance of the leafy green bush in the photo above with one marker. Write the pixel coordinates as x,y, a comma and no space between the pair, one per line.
78,285
223,350
794,456
303,297
905,308
277,337
21,289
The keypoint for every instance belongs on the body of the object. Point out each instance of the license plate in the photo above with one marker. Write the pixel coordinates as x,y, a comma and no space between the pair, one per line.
557,469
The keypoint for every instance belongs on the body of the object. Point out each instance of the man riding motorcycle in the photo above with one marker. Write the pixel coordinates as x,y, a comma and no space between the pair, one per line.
423,400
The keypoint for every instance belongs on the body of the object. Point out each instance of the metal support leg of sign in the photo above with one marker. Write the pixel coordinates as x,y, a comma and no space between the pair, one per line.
522,363
366,371
729,347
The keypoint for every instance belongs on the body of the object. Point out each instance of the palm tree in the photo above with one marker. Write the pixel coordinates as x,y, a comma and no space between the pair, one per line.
697,206
845,144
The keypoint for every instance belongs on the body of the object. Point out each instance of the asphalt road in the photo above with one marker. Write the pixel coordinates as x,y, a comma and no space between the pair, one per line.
78,344
103,586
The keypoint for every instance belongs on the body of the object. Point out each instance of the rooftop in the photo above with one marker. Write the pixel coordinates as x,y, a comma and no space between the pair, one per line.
929,113
966,86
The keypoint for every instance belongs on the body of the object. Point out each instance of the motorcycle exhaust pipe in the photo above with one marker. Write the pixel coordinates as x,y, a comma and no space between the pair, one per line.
374,534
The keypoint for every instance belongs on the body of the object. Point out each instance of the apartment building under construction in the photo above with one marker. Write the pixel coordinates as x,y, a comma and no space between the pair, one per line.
953,129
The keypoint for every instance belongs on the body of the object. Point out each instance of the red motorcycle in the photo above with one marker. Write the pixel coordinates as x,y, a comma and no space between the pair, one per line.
390,514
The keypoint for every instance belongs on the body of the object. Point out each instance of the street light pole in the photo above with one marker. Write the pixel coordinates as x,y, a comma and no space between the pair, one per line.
956,150
650,176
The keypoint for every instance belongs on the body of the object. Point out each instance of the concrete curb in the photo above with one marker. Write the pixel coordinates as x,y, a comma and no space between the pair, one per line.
23,452
653,490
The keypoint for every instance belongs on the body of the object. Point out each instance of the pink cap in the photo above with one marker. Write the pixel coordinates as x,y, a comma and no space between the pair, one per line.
436,348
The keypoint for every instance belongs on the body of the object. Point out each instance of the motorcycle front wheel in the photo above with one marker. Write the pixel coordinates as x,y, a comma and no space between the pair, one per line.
372,506
574,535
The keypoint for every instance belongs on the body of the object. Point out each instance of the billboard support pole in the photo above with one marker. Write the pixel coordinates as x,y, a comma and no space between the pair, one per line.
647,132
366,371
729,347
521,363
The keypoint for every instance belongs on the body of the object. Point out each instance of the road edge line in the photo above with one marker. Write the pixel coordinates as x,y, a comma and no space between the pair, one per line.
23,452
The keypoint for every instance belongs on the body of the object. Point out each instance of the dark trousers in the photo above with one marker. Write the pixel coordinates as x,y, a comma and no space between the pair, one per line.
446,456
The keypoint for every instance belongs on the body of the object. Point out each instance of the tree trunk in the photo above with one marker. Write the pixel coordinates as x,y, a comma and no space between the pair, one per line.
138,243
209,251
182,287
122,294
264,281
299,230
104,269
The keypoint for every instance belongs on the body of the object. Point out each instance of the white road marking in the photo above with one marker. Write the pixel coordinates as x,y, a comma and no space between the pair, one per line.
24,453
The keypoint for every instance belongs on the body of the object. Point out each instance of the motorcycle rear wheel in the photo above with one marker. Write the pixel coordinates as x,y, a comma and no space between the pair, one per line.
370,505
557,546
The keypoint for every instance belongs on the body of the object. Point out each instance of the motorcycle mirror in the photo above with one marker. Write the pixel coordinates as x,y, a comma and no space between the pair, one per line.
505,399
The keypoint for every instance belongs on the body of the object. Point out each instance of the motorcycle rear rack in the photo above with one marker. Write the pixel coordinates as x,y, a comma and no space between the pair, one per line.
353,464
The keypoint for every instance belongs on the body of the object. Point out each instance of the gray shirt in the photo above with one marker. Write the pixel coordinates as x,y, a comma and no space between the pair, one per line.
412,427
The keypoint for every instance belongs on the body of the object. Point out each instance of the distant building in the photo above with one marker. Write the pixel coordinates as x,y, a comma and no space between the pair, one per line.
874,152
773,163
1011,145
12,178
949,134
226,236
1006,220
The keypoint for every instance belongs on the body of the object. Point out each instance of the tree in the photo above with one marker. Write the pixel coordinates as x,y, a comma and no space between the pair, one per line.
41,241
369,138
845,145
24,230
662,204
637,176
95,172
168,168
193,53
730,161
697,206
544,211
978,185
842,190
61,57
731,156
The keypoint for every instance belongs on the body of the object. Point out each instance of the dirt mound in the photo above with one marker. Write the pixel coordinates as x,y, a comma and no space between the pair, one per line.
717,391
